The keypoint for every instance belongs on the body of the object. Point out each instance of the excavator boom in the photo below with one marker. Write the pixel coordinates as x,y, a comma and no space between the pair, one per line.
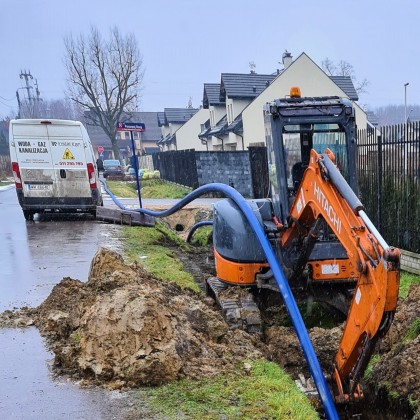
324,194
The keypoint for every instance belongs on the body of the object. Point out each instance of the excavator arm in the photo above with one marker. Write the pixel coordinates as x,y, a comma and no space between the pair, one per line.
371,264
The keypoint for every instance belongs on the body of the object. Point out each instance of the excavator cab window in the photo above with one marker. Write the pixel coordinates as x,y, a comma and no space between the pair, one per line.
298,140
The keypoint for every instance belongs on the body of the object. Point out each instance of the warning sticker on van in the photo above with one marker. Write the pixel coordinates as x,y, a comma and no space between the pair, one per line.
67,154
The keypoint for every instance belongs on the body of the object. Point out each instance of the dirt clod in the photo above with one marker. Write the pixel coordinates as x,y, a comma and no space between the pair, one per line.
397,372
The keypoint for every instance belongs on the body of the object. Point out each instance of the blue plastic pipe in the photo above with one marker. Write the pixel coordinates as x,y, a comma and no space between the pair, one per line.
292,308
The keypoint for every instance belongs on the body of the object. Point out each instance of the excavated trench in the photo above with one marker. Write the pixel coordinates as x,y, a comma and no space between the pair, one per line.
125,329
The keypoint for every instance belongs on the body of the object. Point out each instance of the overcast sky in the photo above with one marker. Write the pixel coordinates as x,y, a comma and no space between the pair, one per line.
187,43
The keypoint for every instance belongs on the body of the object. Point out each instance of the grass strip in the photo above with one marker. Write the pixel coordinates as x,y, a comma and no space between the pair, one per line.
150,188
406,280
267,392
153,248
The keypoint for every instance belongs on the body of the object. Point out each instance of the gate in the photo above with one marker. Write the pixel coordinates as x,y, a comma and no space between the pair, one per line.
177,166
259,171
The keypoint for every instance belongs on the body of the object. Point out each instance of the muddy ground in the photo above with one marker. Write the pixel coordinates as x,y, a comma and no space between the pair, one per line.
125,329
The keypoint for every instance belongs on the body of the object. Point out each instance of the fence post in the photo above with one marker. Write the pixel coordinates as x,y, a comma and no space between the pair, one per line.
380,173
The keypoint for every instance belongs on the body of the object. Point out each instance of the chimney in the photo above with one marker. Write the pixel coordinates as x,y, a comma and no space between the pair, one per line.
287,59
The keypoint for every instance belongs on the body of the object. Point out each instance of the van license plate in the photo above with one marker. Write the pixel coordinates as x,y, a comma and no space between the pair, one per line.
39,187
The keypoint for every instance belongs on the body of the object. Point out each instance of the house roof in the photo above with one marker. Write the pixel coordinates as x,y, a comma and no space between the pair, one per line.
220,128
97,135
248,86
151,150
236,126
346,85
150,120
372,118
211,94
152,132
178,115
170,138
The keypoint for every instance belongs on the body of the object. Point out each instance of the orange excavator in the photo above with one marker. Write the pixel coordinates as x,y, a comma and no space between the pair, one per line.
327,246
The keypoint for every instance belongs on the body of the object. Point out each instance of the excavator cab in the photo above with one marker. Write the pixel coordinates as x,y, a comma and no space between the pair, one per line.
294,126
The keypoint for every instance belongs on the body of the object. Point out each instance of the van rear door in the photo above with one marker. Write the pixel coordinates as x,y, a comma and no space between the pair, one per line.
69,159
33,154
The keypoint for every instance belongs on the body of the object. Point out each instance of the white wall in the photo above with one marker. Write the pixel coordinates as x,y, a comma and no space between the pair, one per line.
219,111
187,134
237,105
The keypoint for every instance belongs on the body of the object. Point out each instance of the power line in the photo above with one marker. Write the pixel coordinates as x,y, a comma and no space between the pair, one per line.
5,99
3,103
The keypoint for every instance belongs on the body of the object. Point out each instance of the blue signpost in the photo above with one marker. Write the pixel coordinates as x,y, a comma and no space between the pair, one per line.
133,127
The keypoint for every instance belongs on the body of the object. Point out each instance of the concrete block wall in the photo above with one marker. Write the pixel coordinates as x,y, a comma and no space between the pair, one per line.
410,262
231,168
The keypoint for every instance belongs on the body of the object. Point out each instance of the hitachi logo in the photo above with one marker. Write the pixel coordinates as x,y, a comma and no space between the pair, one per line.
328,209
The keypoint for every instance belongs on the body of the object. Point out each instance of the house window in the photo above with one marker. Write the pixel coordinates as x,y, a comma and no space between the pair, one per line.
230,113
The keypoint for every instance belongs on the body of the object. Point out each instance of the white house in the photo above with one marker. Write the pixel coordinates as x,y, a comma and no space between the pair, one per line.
312,80
170,121
187,136
236,92
236,105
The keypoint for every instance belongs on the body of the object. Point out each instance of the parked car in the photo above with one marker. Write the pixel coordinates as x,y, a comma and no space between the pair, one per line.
113,168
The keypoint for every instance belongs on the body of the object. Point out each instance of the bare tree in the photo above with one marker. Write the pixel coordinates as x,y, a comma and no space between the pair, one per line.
104,77
64,109
344,68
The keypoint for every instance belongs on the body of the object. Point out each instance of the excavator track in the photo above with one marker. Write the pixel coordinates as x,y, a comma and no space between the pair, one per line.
237,304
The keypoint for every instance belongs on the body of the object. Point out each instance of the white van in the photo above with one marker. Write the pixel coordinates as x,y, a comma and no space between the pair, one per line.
53,166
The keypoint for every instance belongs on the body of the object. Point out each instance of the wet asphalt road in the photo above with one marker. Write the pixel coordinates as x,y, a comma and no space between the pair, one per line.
34,256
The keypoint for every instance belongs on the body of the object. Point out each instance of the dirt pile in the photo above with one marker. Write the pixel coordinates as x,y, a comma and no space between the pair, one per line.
129,329
397,372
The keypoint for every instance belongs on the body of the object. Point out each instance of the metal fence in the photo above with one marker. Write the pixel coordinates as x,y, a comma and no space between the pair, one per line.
389,181
177,166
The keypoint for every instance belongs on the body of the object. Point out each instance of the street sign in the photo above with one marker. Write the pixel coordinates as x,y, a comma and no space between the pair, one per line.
130,126
100,149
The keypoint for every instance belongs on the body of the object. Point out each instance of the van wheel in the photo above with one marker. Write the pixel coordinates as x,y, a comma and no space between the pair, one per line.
29,215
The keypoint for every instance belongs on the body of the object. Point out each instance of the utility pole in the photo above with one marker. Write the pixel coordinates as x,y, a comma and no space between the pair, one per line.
27,75
19,103
29,107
